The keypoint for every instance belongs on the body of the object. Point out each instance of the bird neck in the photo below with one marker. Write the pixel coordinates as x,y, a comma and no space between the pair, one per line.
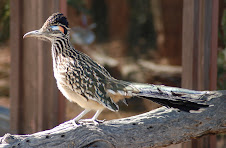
60,45
60,50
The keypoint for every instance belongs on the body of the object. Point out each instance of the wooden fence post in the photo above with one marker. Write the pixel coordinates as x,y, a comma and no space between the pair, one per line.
34,95
199,55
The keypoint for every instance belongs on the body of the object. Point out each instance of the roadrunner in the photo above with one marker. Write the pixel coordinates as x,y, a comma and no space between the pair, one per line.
85,82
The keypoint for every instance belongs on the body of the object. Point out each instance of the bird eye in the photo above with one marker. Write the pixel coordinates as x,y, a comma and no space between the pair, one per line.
49,29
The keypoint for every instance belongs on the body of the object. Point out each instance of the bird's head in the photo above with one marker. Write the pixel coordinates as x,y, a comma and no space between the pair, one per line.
55,26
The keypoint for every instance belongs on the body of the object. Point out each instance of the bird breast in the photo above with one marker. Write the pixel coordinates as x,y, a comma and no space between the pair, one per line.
75,97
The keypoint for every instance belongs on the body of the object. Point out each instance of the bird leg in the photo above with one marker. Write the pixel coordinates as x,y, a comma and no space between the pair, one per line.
77,118
94,118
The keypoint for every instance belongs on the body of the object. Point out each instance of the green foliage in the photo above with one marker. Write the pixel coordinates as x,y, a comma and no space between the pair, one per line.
221,61
99,14
223,27
4,20
79,5
221,65
142,35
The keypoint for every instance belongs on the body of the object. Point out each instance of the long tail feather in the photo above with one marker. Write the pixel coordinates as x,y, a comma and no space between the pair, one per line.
182,105
182,99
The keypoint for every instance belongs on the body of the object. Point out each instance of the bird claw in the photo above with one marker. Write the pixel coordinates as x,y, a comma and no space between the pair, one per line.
100,121
90,121
75,123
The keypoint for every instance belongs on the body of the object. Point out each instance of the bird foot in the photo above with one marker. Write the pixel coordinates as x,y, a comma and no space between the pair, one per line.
90,121
75,123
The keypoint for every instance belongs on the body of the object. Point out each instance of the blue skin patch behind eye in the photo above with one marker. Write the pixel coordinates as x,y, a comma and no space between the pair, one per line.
55,27
60,28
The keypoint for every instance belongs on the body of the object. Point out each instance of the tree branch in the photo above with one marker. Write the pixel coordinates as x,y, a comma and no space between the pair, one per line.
160,127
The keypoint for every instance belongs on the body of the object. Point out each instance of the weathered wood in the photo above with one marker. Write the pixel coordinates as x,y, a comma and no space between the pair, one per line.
160,127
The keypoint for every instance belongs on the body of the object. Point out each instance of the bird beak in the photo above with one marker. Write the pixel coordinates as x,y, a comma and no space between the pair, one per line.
35,33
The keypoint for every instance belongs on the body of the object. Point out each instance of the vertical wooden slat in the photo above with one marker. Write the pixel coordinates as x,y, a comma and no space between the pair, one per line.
171,12
29,71
199,44
34,95
188,44
200,18
117,11
15,75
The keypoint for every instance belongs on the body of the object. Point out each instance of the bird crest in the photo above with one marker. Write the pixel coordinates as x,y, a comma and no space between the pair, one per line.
56,19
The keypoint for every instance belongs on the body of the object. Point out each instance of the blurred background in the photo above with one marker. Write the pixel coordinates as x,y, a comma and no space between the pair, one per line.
140,41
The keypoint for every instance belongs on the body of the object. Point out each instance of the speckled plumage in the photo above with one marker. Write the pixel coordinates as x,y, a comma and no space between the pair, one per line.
85,82
81,74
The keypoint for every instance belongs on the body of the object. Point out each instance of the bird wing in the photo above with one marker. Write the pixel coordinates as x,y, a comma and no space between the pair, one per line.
88,78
